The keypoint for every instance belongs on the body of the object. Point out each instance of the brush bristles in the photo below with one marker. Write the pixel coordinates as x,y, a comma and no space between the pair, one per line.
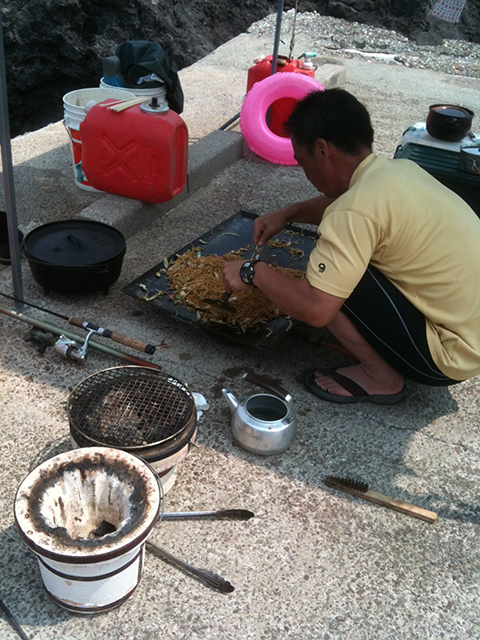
346,483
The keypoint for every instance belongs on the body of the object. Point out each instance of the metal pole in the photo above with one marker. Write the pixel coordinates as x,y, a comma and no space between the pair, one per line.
276,44
10,205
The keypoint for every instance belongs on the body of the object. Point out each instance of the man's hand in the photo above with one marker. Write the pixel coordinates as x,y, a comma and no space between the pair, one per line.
268,225
231,276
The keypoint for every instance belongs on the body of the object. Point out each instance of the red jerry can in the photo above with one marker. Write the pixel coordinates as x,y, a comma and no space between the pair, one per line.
282,108
140,152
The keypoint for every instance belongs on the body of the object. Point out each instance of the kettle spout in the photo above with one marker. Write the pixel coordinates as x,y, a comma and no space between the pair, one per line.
232,401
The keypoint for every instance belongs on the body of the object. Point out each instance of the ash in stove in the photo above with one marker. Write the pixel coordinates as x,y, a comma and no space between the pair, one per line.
102,530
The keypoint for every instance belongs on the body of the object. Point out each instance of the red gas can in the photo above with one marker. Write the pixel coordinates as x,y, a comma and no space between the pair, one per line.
139,153
281,109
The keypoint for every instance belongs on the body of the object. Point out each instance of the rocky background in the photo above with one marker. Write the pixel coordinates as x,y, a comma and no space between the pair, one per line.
56,46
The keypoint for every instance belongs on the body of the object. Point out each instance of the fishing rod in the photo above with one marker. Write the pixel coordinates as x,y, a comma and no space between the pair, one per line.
67,343
90,327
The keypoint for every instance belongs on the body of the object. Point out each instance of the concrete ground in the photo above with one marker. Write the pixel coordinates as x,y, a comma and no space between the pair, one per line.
314,563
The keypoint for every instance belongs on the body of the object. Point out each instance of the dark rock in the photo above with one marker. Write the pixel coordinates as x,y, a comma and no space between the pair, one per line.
343,10
412,18
56,46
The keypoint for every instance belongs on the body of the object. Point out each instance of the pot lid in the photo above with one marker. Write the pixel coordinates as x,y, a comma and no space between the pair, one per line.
451,110
74,243
471,151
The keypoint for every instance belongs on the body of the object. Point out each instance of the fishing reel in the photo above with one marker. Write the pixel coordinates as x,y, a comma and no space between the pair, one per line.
70,349
66,347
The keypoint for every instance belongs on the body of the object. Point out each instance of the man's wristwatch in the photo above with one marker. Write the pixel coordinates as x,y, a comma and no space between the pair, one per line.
247,271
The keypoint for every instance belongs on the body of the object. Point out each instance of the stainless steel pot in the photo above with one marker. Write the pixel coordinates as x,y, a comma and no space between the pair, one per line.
262,423
469,160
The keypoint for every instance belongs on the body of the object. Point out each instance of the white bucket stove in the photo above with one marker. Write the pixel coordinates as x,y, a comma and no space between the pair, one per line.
87,514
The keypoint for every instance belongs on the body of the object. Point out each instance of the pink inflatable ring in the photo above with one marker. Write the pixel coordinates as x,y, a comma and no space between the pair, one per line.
261,96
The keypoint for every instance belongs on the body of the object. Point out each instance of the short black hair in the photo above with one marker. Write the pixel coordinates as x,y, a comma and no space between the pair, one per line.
334,115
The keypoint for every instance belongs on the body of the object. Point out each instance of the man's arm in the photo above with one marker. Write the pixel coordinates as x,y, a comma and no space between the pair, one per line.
294,297
309,211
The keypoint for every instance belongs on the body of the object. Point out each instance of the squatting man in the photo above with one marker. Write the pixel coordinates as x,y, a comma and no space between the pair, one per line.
395,273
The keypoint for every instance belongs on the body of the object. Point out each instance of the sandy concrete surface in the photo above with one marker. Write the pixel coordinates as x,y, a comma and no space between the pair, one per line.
313,563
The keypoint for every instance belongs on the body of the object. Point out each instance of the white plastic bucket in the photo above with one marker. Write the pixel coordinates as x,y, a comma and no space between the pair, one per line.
159,92
87,514
74,104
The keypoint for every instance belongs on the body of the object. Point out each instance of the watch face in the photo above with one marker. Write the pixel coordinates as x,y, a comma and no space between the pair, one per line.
247,272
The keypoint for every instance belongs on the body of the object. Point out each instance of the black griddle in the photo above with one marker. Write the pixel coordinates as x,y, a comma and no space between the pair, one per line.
229,235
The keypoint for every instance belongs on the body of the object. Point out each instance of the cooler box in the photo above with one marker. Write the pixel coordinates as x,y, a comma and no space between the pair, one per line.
440,159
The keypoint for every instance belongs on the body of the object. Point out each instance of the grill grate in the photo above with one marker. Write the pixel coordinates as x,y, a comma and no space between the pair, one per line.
130,407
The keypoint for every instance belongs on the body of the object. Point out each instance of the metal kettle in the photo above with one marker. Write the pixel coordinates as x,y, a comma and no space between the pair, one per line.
262,423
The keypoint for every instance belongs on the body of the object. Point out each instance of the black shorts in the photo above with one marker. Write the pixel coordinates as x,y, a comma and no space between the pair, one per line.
394,328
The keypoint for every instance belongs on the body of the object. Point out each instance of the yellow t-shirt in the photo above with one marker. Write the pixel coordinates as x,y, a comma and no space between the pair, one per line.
424,238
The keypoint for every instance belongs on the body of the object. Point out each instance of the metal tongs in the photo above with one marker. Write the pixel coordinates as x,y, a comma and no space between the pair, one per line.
256,253
221,514
208,578
223,302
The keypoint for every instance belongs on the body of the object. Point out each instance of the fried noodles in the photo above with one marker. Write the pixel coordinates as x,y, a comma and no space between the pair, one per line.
194,277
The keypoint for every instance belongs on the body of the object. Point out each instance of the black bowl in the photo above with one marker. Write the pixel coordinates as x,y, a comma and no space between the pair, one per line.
449,122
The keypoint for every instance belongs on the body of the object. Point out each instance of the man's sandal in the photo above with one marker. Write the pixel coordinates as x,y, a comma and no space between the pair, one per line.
358,394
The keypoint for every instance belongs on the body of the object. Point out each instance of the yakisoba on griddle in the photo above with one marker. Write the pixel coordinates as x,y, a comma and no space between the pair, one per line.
194,277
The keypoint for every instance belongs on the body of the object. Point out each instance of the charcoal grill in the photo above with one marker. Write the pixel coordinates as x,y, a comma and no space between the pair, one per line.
137,409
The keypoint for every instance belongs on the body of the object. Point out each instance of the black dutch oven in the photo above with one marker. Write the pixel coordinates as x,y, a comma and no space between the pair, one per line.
449,122
75,256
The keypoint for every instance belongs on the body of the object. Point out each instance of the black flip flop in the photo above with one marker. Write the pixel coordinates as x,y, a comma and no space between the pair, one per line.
358,394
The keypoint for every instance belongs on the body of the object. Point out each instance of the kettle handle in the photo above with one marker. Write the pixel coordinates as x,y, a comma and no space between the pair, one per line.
266,383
